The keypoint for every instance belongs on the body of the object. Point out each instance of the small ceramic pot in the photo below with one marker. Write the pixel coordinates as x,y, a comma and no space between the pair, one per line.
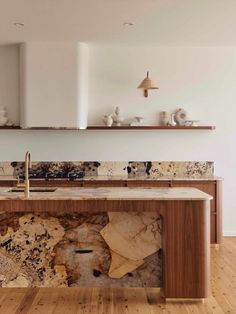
108,120
3,121
163,118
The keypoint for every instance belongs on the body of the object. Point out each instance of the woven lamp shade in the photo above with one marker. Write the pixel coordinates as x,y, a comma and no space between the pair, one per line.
147,84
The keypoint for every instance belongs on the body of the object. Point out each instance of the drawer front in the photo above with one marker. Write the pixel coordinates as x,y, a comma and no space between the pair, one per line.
151,184
213,228
57,183
208,187
6,183
120,183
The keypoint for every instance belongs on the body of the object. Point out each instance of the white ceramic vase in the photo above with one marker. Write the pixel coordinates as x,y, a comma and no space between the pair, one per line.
118,119
172,120
3,116
180,116
108,120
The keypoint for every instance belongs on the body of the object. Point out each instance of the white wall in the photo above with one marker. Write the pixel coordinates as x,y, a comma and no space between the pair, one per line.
201,80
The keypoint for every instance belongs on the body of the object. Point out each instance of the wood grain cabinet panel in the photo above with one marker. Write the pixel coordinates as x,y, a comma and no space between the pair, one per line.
6,184
108,183
142,183
209,187
213,228
55,183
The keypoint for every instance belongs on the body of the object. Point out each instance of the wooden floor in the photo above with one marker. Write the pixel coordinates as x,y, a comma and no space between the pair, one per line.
129,301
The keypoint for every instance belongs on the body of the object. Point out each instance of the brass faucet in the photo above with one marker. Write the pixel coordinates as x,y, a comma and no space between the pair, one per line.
26,184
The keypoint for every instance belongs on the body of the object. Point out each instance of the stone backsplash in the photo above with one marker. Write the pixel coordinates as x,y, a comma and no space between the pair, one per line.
79,169
80,249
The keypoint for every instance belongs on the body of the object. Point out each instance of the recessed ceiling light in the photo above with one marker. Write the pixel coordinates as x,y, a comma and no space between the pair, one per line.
19,24
128,24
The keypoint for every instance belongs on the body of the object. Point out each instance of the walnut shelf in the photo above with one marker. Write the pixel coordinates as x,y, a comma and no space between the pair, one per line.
123,127
10,127
150,127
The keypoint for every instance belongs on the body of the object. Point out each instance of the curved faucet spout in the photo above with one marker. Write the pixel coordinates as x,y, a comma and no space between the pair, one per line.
27,166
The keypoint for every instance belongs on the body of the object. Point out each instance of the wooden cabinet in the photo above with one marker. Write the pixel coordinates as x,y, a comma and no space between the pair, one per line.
210,187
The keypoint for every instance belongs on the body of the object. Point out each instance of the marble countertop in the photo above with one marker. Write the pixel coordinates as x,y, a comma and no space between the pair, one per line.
110,193
123,178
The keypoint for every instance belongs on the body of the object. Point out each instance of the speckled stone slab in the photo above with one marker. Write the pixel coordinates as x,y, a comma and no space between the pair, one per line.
61,250
129,169
110,193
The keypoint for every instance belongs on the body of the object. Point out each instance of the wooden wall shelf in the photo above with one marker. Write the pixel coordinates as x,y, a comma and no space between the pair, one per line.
10,127
123,127
150,127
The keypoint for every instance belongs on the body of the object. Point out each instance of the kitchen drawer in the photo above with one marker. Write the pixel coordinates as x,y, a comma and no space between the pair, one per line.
57,183
213,228
108,183
208,187
6,183
151,184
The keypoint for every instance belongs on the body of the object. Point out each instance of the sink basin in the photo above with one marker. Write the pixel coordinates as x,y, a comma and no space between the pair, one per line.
34,190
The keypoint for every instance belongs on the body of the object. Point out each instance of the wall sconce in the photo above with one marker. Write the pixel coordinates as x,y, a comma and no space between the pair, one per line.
147,84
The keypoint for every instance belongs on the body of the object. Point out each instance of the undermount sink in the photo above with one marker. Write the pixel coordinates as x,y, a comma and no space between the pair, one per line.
34,190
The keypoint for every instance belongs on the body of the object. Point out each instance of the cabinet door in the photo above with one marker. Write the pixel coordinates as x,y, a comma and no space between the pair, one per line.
208,187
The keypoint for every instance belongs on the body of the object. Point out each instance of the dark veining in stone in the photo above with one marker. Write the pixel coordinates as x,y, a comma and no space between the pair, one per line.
63,249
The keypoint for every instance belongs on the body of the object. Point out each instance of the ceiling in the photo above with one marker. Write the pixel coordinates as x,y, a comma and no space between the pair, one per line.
159,22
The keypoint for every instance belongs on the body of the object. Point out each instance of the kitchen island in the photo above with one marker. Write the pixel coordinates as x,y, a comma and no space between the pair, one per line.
129,226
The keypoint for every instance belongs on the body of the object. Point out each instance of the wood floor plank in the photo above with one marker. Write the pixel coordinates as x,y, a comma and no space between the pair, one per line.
129,301
45,301
27,301
12,300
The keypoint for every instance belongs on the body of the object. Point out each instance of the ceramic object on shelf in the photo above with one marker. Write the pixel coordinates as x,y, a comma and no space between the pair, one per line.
192,122
172,120
3,116
139,119
163,118
180,116
108,120
117,118
3,121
